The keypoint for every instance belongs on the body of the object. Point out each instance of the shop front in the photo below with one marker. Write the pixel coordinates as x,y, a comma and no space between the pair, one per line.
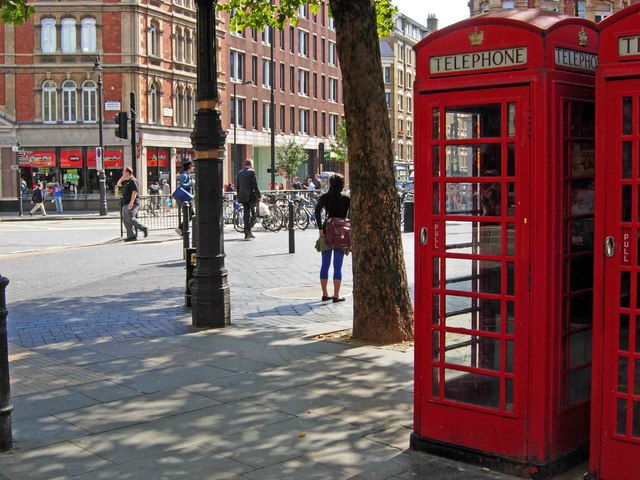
504,203
615,432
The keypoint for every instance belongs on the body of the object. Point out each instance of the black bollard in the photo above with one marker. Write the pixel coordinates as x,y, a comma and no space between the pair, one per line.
292,237
186,206
190,254
6,440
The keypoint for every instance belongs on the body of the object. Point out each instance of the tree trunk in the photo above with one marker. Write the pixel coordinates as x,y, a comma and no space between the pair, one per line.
382,309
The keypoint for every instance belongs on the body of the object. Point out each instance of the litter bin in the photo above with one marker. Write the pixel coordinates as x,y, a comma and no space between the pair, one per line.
408,215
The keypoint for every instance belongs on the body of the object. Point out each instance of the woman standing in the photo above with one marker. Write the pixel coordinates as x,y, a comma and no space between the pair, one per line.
336,205
57,197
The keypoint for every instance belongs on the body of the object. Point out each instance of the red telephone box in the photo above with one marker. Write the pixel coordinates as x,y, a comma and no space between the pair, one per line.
504,240
615,433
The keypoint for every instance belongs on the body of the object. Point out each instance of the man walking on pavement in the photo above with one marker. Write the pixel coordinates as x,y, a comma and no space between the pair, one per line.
130,205
38,199
249,196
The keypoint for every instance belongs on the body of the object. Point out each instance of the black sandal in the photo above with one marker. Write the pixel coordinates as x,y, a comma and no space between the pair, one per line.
338,299
324,299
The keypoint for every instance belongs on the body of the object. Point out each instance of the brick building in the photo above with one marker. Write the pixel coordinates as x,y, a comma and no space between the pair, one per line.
594,10
49,91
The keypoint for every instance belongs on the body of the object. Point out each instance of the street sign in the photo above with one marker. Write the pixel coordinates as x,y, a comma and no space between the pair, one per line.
15,167
15,148
112,106
99,159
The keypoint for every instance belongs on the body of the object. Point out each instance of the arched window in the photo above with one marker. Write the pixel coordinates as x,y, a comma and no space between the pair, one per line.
187,47
48,37
153,39
190,105
49,102
89,104
180,113
88,35
179,45
69,102
154,104
68,35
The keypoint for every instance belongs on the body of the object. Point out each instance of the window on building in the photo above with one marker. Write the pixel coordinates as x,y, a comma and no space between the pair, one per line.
333,124
303,82
188,47
315,85
254,70
582,9
68,35
603,13
154,39
179,50
254,114
409,128
303,43
69,102
400,50
48,38
282,117
303,121
409,151
267,35
191,106
281,35
88,35
237,112
89,103
409,102
266,73
400,101
387,98
254,34
400,151
322,50
323,15
303,11
292,119
387,74
333,89
322,88
237,31
333,54
484,7
282,77
292,36
315,47
408,56
49,102
315,123
400,129
331,25
409,84
323,124
292,79
154,104
236,66
266,116
400,77
179,112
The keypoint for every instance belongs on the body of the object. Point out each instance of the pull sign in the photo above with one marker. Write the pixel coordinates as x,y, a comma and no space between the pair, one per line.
609,247
424,236
625,253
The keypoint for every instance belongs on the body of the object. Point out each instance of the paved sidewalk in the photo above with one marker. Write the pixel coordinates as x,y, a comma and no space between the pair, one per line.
261,399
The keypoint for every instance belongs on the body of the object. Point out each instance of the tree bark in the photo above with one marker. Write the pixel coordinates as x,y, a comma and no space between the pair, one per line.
382,309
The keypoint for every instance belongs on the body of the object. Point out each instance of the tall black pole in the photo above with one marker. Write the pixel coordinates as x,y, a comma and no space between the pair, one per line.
6,437
210,290
235,131
101,174
272,123
132,109
20,211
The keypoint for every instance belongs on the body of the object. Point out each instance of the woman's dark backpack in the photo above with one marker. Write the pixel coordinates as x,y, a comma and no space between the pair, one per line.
337,233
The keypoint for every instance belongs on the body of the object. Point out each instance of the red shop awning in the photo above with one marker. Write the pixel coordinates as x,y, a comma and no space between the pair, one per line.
112,158
37,159
71,159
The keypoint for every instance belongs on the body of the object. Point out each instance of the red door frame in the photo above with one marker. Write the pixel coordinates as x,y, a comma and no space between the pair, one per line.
498,431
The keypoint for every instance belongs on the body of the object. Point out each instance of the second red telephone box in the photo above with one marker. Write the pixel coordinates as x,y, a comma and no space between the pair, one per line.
504,240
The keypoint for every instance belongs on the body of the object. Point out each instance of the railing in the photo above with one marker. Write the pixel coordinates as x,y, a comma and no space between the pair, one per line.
159,212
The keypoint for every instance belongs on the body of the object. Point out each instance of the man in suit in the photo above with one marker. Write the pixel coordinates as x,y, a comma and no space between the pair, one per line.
248,196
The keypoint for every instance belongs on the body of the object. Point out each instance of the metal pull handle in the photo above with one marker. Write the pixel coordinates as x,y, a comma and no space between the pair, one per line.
609,246
424,236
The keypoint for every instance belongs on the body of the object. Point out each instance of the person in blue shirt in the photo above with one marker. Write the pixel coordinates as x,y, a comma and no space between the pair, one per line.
186,182
57,197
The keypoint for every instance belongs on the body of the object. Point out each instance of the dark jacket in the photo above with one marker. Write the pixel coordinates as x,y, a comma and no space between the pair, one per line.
38,195
247,185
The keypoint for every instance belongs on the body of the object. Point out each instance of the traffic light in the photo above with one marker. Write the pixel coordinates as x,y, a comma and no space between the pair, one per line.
321,152
122,120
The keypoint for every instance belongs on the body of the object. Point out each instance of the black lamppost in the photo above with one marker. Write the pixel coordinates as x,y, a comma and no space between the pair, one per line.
272,123
234,151
102,178
17,149
210,291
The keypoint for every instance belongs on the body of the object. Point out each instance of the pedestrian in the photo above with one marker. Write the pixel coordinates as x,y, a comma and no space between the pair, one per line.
310,184
166,195
57,196
336,205
249,196
187,183
38,199
296,185
317,183
130,205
